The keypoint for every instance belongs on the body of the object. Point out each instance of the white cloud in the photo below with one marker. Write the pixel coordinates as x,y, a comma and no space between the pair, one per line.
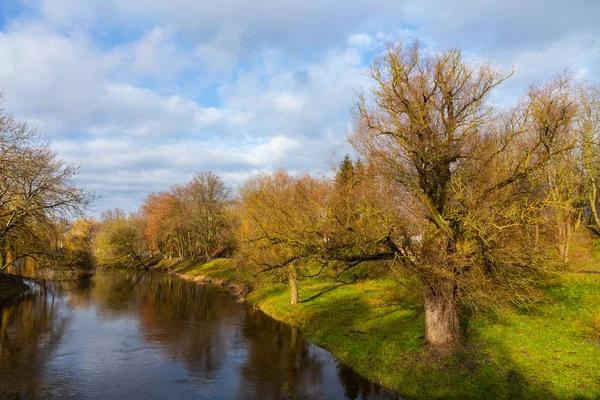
43,74
361,40
272,152
221,52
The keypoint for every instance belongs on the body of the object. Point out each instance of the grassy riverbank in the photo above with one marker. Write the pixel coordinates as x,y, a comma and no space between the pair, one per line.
376,327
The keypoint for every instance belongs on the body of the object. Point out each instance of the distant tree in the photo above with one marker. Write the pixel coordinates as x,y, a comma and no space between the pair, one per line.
79,243
189,219
158,227
208,195
345,173
67,246
562,184
120,237
180,216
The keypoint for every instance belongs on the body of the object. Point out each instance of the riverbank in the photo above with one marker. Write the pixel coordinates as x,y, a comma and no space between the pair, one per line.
221,272
376,327
11,286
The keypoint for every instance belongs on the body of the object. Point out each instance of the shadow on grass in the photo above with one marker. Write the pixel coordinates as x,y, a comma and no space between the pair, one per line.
467,373
384,343
316,296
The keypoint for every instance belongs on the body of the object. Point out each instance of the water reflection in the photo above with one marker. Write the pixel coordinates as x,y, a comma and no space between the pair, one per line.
30,331
124,334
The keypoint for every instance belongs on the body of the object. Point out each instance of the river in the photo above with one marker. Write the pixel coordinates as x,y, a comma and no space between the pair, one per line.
130,335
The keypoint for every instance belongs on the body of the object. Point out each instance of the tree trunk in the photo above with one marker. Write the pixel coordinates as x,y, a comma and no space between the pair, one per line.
134,255
593,198
569,233
294,299
441,313
564,237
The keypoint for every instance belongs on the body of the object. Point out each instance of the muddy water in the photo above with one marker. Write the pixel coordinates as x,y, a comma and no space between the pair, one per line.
127,335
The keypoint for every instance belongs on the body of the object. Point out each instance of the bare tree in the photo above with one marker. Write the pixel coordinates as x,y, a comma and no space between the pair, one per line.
120,237
282,225
35,187
209,196
430,129
588,129
561,180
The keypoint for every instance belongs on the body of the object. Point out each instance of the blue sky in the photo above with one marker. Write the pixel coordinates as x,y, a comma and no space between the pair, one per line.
142,94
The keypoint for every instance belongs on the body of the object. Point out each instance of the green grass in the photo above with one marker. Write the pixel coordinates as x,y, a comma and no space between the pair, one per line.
376,327
547,353
553,346
220,268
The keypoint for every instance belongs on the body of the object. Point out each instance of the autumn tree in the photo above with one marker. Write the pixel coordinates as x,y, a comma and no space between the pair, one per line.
431,130
120,237
282,225
64,247
159,227
189,219
36,188
564,201
561,180
208,196
365,216
79,250
306,226
180,216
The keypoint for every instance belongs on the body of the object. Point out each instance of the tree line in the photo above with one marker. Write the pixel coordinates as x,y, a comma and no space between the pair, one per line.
187,221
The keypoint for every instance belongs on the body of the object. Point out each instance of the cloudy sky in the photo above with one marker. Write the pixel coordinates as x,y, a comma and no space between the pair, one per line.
143,93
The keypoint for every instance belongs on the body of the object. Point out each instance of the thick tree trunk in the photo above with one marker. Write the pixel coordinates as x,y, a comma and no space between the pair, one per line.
294,299
441,313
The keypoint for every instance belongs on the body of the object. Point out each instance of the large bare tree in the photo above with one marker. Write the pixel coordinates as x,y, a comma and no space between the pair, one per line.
430,128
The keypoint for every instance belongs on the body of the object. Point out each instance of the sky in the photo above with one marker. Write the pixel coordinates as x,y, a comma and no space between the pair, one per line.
142,94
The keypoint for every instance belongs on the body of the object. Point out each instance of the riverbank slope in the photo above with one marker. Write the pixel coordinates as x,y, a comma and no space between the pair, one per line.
376,327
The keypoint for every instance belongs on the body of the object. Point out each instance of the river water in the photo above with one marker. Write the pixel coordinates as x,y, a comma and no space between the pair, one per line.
129,335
